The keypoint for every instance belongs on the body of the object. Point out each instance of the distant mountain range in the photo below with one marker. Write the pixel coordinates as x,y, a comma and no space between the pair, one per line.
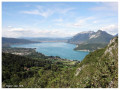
86,41
91,37
6,42
47,39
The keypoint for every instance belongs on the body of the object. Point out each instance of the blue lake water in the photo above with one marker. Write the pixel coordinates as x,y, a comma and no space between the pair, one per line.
61,49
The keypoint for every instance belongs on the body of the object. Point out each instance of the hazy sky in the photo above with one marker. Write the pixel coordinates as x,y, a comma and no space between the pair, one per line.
61,19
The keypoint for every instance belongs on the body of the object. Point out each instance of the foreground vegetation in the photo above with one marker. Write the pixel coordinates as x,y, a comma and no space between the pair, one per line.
98,69
29,72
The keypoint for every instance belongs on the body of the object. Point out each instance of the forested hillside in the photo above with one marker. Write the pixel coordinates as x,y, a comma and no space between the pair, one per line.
90,47
6,42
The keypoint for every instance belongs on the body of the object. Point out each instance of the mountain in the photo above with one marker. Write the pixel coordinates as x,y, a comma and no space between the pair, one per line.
100,37
90,46
80,37
6,42
116,35
99,68
91,37
47,39
91,41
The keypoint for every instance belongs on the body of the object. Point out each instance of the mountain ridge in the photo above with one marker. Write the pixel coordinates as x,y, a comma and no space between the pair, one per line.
91,37
6,42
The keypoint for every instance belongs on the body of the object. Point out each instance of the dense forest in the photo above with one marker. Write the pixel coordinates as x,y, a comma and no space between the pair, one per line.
16,70
99,69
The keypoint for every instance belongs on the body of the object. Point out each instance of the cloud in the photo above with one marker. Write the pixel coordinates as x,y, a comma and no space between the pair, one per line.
46,12
22,32
82,22
52,33
95,21
112,29
58,20
111,6
64,11
17,29
77,24
9,26
14,29
38,12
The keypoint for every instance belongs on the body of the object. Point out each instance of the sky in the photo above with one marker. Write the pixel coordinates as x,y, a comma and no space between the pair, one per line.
57,19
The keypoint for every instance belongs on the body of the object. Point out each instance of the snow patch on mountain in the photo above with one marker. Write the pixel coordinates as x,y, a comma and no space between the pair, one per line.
93,36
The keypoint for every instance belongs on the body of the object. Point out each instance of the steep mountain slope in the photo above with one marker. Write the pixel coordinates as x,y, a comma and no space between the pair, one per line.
99,68
8,41
80,37
91,37
100,37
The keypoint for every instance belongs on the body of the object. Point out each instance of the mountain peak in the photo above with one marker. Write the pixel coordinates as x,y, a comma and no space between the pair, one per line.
99,30
91,37
86,32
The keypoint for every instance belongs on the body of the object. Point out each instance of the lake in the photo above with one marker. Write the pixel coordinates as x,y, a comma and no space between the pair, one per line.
61,49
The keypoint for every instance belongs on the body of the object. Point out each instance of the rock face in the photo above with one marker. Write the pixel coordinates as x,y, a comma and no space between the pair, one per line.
112,46
91,37
99,68
80,37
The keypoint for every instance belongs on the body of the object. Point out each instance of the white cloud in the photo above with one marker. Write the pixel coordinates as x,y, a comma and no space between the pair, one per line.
38,12
82,21
22,32
112,29
45,12
11,31
58,20
79,22
95,21
17,29
64,11
9,26
52,33
111,6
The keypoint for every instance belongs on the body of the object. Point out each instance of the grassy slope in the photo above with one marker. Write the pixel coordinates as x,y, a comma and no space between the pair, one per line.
99,68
